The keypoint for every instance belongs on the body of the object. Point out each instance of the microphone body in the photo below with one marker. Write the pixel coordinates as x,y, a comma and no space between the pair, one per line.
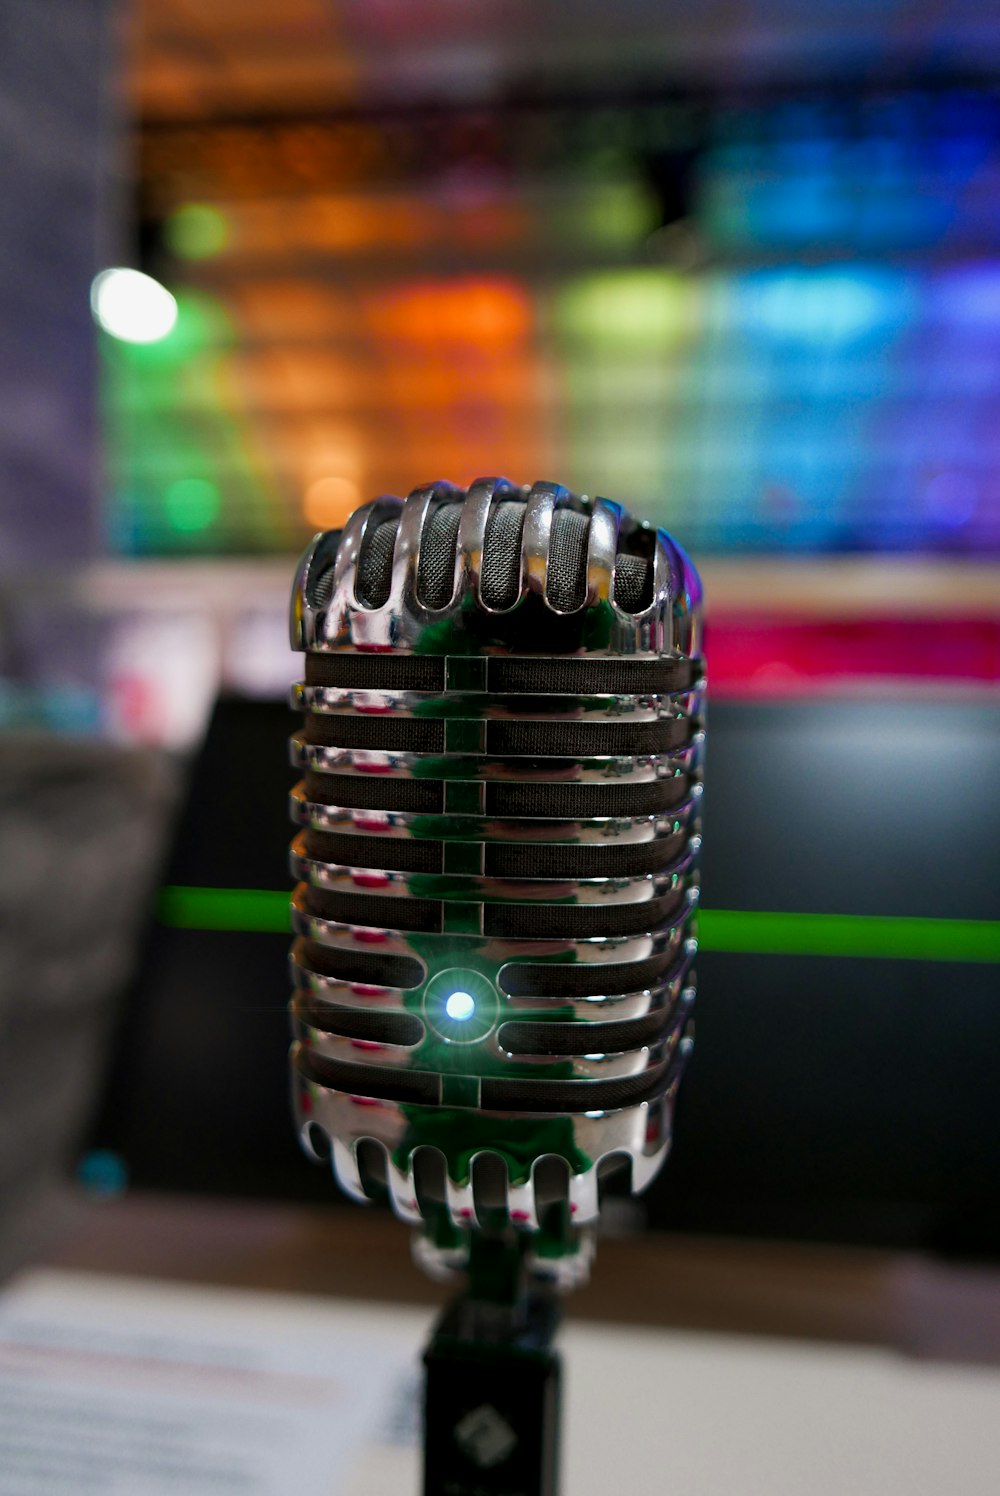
497,855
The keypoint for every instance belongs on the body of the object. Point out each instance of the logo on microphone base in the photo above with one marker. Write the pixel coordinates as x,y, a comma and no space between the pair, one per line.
485,1436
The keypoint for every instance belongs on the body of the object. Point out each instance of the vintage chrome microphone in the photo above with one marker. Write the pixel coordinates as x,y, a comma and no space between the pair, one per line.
498,857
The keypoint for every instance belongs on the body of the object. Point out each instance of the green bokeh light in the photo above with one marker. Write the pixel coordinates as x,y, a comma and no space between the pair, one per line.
654,310
197,231
191,504
615,215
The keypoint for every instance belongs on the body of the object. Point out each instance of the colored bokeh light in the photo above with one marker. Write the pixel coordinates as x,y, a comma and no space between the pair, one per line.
197,231
821,306
328,501
191,504
131,306
767,323
629,309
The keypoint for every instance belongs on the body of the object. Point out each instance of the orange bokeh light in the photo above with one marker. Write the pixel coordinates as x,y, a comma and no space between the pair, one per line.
488,314
328,501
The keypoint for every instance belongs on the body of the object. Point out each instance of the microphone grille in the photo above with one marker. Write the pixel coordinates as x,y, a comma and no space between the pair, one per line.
498,852
501,564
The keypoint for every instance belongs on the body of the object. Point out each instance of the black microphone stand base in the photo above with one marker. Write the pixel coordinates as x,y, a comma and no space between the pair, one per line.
492,1384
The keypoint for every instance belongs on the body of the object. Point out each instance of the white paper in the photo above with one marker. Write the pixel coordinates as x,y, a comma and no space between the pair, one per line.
113,1389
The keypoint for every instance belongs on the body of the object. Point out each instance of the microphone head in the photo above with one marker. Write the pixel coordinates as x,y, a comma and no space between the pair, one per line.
497,857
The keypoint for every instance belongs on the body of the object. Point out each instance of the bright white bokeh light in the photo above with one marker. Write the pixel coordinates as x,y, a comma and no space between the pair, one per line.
132,306
460,1006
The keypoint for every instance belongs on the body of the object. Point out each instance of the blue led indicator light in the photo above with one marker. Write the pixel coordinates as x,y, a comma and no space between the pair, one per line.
460,1006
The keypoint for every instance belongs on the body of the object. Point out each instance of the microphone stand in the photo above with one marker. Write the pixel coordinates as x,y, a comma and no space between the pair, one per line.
493,1381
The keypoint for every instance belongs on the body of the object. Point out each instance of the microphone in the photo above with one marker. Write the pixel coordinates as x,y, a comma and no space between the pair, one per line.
497,855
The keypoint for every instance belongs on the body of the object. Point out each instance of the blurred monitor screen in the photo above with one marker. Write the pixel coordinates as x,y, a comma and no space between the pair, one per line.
845,1097
766,316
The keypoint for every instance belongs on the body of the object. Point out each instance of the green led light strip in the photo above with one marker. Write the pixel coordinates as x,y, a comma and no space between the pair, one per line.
747,931
897,937
187,908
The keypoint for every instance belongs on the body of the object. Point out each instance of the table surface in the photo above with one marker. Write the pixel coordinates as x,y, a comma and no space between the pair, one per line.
915,1305
703,1365
107,1379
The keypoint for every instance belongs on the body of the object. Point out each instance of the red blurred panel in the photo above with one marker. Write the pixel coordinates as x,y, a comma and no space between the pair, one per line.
753,655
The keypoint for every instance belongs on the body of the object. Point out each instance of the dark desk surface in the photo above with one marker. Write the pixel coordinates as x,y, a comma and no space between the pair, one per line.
913,1304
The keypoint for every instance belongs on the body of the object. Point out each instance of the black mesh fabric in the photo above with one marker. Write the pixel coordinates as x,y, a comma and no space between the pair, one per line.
424,1086
587,739
397,854
515,859
500,581
566,581
633,582
375,565
584,1037
581,800
436,571
373,1025
386,1081
398,671
366,967
322,588
578,921
534,920
398,734
588,675
575,801
573,1095
604,859
374,792
584,978
375,911
538,738
583,675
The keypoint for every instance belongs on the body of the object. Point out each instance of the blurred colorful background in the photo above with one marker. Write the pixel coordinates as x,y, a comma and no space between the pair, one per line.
766,317
740,270
734,264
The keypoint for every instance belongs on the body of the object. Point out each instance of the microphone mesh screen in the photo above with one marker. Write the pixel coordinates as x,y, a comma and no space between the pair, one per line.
501,566
633,582
376,792
399,734
437,556
497,784
376,672
588,979
393,853
501,575
366,967
572,801
374,1027
534,920
566,586
571,1095
558,921
529,859
549,1038
576,674
375,565
375,911
509,859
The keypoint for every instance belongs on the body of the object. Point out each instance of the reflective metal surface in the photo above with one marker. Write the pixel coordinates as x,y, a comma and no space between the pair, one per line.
495,913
